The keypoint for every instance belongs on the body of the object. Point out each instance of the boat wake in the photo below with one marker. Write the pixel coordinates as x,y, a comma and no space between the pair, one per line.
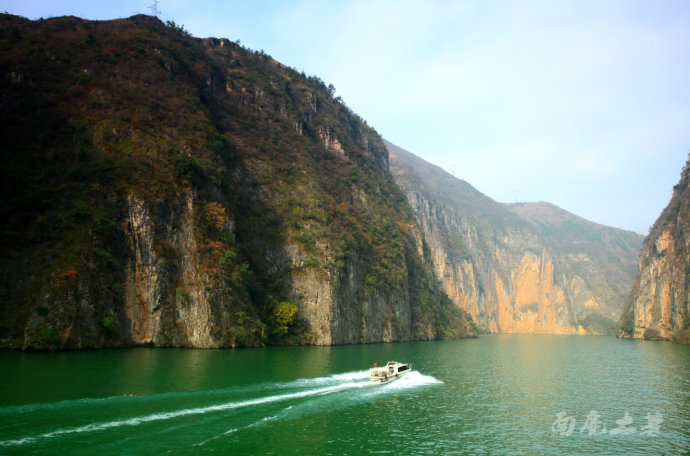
300,390
412,380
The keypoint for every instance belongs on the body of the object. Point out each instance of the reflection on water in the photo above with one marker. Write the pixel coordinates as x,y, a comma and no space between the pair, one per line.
508,394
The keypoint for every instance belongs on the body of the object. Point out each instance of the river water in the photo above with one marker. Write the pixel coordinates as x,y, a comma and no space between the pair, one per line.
499,394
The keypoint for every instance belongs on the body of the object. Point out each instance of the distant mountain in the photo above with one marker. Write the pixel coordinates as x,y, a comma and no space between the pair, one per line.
160,189
659,304
612,251
526,267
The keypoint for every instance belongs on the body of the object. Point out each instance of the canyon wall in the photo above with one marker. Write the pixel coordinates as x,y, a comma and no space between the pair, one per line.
659,305
518,268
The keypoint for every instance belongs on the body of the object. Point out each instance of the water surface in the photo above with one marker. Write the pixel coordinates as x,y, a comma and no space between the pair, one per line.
507,394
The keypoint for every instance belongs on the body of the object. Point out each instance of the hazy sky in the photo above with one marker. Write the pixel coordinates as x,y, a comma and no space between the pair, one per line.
584,104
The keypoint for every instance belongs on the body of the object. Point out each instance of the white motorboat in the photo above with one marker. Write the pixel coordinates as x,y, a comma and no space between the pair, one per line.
390,372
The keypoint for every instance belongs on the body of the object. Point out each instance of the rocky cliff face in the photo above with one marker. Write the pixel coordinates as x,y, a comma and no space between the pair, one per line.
524,268
659,304
172,191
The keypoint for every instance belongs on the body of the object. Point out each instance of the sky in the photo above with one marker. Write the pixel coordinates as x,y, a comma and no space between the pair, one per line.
583,104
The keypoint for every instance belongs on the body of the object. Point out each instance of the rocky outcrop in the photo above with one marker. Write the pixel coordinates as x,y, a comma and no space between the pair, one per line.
659,304
330,141
168,300
524,268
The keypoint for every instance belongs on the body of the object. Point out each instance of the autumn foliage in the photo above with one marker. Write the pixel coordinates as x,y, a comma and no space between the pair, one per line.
216,216
69,274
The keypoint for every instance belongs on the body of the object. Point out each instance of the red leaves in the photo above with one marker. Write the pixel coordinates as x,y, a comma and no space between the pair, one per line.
68,274
342,207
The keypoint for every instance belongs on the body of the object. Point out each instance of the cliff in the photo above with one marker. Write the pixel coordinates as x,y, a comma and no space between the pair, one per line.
659,305
167,190
518,268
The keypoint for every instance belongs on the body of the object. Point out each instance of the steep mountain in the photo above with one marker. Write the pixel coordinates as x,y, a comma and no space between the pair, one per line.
518,268
659,304
167,190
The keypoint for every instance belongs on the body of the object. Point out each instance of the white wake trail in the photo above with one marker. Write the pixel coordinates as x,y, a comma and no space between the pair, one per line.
186,412
90,402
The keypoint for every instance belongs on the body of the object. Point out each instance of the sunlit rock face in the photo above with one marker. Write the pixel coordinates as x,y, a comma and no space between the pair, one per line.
519,268
659,303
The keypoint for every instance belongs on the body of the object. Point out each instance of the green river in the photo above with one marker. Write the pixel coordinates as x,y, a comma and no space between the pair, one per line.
496,395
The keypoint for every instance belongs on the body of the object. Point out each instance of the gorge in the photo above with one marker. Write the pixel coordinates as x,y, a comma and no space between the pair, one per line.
167,190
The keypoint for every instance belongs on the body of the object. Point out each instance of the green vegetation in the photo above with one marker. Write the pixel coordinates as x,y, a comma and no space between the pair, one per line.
227,257
110,326
284,314
181,295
